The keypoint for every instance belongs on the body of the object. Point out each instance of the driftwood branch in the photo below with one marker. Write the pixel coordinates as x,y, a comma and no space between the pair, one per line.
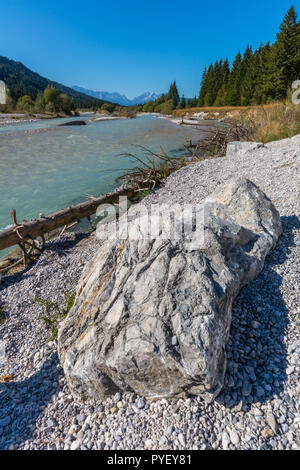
46,224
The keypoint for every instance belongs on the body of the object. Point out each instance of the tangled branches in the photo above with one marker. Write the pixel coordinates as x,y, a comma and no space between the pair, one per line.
156,167
215,143
151,171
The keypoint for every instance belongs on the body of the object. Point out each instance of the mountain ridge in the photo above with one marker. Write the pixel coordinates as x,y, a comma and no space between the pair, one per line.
118,98
20,81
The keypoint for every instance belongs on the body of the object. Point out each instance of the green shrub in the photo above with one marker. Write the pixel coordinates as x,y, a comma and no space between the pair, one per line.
110,107
2,314
54,314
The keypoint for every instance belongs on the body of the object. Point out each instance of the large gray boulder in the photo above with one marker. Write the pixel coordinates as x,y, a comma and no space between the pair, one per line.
153,315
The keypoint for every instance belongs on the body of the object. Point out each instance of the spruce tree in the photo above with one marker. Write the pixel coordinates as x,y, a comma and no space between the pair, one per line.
233,97
247,78
286,51
203,88
173,94
182,103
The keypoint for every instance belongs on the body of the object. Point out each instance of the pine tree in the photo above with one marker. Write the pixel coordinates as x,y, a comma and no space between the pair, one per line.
182,103
222,81
173,94
270,81
203,88
260,59
285,51
233,96
247,78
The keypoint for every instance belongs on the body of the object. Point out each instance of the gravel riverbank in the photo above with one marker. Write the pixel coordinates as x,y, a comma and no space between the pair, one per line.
259,405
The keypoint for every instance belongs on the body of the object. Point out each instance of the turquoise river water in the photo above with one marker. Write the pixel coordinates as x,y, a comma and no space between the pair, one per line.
44,168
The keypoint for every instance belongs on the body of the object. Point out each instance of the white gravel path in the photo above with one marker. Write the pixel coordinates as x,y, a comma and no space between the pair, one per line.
259,405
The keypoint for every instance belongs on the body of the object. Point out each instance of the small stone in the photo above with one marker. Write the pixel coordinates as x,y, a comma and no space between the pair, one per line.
5,421
117,397
181,439
148,443
290,370
135,408
169,430
230,382
247,387
239,406
225,440
141,403
267,432
259,391
271,420
76,444
284,428
234,437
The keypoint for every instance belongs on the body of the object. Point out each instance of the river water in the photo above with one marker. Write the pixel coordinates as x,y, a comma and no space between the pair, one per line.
44,168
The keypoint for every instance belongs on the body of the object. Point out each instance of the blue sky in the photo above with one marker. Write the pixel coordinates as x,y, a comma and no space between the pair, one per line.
135,45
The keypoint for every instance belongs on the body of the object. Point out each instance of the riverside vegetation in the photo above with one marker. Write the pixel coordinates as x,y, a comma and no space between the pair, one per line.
50,101
266,123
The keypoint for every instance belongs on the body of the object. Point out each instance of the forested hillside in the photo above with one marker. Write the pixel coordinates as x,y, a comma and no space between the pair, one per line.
259,76
255,77
21,81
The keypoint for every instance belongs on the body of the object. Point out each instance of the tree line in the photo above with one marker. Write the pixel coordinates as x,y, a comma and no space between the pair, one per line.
48,101
259,76
255,77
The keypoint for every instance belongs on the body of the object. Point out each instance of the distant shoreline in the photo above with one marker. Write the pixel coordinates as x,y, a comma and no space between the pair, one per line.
7,119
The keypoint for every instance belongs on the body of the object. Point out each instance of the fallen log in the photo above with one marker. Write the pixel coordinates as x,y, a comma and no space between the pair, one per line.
46,224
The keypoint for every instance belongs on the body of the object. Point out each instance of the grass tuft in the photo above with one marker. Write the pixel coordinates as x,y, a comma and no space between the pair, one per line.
54,314
2,314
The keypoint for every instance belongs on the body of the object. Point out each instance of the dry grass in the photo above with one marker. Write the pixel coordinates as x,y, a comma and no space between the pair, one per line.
274,122
211,109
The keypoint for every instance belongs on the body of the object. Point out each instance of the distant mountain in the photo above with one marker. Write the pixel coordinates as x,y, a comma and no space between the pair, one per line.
117,97
145,98
22,81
